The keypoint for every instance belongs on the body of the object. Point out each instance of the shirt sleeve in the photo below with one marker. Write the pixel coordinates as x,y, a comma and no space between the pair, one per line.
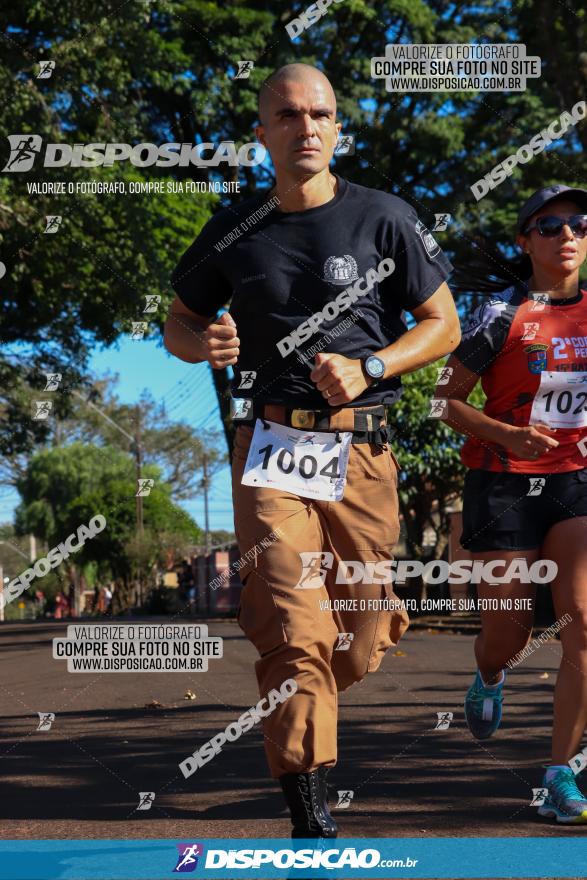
420,265
198,279
484,335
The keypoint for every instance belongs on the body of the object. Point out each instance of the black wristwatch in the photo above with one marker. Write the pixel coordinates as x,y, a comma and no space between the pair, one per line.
374,368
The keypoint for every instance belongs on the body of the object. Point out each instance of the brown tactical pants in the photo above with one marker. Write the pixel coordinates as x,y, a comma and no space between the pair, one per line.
296,637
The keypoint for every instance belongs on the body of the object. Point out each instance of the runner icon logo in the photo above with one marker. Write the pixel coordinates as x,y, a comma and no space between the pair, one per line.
46,68
244,69
537,484
187,859
539,795
46,719
345,145
344,799
43,408
313,575
146,799
23,151
152,301
53,223
53,380
441,222
344,641
444,719
247,377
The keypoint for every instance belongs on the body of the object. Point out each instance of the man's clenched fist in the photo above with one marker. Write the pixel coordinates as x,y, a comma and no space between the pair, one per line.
340,379
222,343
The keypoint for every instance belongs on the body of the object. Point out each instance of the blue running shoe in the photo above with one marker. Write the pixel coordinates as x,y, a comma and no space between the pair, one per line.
483,708
564,801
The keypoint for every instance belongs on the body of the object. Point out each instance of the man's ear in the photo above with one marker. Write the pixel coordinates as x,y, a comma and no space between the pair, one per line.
260,134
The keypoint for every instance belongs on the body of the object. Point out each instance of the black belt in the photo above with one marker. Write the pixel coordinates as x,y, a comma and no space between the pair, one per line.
366,419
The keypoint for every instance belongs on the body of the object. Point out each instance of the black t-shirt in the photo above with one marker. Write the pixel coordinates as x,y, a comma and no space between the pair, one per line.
279,268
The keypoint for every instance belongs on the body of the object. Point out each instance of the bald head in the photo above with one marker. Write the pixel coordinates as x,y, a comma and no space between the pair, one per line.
304,74
297,112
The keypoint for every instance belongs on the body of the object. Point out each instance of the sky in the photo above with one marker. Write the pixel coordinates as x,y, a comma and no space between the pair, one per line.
189,396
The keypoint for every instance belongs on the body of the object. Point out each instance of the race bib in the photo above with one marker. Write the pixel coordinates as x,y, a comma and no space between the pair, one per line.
561,400
310,464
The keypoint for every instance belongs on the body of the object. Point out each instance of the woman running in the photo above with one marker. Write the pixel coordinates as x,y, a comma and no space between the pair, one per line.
525,494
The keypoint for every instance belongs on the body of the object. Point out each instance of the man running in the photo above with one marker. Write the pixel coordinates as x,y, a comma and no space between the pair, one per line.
318,273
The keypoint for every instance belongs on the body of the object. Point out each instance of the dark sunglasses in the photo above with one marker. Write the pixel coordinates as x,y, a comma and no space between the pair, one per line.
550,225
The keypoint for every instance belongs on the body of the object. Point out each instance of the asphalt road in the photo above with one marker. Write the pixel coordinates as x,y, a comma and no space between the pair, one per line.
115,735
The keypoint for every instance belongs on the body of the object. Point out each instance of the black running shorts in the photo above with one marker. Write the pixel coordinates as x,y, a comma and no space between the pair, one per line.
507,511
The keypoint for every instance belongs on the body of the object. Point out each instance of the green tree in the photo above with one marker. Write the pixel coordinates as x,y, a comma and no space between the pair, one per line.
65,487
163,71
428,452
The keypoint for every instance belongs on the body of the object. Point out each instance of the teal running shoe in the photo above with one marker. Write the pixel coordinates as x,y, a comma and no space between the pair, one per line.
564,801
483,708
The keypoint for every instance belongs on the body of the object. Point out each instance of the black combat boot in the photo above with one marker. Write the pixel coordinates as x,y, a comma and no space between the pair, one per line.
306,795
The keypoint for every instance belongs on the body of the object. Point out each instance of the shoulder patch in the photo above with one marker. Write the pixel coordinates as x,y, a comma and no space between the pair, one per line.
430,244
483,316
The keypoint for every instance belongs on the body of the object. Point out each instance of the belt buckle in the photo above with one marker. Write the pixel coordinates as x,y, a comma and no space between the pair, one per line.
302,418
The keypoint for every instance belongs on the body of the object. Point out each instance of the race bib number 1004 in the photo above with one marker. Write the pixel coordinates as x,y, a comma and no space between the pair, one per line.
310,464
561,400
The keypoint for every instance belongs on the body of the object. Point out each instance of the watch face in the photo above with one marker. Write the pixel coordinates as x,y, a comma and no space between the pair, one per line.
375,367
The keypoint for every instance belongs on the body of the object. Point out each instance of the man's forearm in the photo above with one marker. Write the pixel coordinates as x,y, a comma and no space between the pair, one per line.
429,340
184,337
